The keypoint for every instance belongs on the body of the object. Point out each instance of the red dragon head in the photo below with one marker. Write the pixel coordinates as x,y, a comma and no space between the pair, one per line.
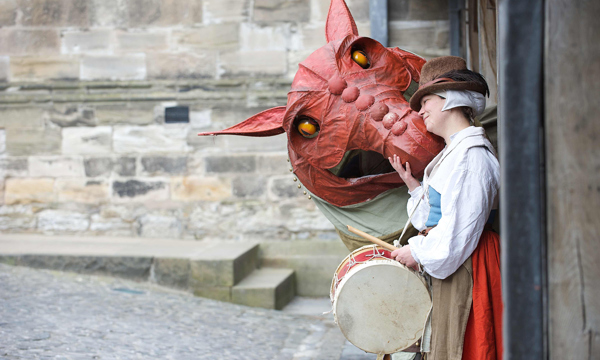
346,114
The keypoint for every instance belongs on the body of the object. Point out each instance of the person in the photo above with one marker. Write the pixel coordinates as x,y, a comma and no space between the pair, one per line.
453,208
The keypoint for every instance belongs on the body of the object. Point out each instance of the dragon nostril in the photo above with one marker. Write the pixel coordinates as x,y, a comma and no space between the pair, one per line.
378,111
350,94
399,128
364,102
390,119
337,85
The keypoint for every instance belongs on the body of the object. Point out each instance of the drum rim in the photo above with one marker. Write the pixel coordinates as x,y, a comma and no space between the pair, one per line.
379,262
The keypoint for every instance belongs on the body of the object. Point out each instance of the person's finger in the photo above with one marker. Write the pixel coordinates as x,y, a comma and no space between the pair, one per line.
408,167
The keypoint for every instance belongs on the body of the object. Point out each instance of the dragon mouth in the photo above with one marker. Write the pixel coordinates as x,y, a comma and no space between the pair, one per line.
360,164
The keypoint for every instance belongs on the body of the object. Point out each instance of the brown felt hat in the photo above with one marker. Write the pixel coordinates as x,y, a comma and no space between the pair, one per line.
432,80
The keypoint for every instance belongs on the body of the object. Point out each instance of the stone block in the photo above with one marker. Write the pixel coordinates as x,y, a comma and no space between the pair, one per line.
4,68
171,272
2,141
195,188
82,191
85,42
72,115
200,119
21,118
144,13
50,221
8,13
33,141
222,11
219,293
249,186
283,187
125,114
159,226
19,41
14,167
151,139
162,165
25,191
209,37
139,191
17,223
238,144
142,41
254,62
264,38
110,226
266,288
230,164
182,65
281,10
86,140
54,13
109,13
56,166
277,164
44,68
125,166
125,67
96,167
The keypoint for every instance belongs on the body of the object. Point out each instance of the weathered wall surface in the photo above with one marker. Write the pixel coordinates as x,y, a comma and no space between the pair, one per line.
84,147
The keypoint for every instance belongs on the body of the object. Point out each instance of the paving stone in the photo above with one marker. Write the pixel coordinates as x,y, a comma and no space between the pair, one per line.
163,165
281,10
25,191
54,13
82,191
62,221
71,115
138,190
16,41
84,42
87,140
230,164
110,67
200,188
56,166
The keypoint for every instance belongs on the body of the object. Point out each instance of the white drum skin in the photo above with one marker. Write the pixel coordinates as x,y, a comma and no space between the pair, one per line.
381,306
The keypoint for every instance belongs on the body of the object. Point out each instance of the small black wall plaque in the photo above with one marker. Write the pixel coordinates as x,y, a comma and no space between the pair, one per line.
177,114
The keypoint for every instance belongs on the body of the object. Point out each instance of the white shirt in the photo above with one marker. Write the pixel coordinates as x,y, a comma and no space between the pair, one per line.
468,179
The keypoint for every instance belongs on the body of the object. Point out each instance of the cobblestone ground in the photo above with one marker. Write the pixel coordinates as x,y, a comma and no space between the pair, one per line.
54,315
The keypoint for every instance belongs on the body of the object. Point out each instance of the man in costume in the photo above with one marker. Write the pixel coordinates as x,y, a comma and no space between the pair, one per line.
453,209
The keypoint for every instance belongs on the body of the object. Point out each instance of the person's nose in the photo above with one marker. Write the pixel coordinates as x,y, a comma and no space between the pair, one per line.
421,112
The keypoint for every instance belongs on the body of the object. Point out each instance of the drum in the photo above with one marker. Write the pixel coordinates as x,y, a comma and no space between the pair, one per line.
380,305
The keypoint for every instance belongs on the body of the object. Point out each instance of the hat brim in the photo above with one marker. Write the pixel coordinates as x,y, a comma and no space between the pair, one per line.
415,100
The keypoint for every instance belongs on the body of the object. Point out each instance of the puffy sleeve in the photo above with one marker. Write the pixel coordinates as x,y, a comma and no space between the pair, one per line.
422,212
467,199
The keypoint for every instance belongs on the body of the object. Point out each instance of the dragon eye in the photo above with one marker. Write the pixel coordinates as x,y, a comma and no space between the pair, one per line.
361,59
307,127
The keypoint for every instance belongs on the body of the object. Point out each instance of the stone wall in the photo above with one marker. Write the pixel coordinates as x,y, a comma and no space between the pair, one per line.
84,84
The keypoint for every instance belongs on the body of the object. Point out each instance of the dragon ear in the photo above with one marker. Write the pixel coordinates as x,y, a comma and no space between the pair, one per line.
266,123
340,22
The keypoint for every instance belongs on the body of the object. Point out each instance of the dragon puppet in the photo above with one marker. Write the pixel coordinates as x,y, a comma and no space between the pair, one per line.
346,113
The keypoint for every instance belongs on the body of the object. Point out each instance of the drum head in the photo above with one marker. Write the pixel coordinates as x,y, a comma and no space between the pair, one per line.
381,307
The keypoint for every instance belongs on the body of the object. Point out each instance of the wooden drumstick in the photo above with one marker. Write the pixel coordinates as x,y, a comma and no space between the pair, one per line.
372,238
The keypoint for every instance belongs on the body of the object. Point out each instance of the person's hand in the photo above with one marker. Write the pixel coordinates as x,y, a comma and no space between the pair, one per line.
403,256
405,174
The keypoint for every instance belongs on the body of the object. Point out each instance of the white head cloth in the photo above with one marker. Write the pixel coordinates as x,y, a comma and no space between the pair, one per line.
459,98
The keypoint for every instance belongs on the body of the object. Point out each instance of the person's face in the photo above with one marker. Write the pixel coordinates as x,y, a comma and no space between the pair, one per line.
431,111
